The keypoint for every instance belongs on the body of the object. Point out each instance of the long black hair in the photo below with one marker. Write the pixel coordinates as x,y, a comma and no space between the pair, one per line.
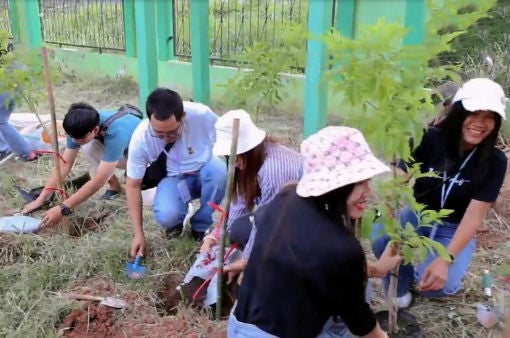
333,204
451,128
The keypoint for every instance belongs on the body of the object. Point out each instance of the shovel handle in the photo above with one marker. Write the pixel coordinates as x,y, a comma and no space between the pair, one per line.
78,296
137,260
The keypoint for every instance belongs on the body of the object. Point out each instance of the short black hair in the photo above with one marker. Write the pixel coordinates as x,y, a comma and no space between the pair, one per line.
81,118
164,103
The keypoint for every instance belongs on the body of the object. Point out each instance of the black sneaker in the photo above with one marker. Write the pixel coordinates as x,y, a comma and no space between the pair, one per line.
197,235
174,232
4,154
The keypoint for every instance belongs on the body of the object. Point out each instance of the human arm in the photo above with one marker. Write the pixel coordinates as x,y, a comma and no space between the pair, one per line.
134,205
436,274
66,163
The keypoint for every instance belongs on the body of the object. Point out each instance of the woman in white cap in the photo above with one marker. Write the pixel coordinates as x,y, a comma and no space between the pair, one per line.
306,269
263,167
470,172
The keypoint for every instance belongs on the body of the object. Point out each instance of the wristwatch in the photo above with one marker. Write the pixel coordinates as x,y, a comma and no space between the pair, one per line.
64,210
452,258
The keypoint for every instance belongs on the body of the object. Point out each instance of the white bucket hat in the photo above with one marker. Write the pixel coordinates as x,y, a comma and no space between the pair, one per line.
249,135
482,94
335,157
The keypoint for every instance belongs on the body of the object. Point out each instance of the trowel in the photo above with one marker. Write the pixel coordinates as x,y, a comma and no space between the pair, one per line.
112,302
135,270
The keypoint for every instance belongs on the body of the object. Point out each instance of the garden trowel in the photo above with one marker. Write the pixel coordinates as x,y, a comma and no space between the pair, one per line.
135,270
106,301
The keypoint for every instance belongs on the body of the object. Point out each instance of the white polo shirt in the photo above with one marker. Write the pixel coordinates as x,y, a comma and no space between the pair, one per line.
189,153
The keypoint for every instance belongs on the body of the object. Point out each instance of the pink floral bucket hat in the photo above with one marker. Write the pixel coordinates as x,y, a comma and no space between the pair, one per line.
335,157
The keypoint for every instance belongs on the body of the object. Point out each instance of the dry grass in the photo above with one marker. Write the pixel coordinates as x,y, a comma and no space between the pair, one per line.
35,266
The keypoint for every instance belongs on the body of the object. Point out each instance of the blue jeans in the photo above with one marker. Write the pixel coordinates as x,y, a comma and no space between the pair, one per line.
236,329
409,273
208,184
9,134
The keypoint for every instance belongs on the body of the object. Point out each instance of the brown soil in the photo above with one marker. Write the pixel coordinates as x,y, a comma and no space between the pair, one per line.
95,321
491,239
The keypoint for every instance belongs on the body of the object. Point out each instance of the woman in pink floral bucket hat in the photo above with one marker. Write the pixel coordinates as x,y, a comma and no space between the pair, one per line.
470,172
306,275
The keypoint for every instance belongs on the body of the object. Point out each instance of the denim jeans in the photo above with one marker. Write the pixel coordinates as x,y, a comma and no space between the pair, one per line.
236,329
208,184
408,273
9,134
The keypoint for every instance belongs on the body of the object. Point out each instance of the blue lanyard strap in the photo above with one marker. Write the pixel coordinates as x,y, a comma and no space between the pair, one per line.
446,191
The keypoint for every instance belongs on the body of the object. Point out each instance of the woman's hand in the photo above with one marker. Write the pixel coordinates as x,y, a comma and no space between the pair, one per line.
208,243
388,260
435,275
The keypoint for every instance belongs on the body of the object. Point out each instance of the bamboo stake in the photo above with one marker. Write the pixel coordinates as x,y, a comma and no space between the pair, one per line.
392,288
226,208
54,133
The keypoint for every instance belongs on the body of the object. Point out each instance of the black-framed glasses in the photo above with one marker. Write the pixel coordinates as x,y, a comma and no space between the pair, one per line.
168,134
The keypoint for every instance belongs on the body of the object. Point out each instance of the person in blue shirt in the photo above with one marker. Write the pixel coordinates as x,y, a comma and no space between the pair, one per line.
185,132
104,141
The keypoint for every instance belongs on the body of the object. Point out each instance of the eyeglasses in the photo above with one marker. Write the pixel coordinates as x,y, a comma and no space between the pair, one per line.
168,134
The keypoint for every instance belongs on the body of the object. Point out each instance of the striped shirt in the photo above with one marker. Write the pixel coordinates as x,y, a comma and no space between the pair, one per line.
281,166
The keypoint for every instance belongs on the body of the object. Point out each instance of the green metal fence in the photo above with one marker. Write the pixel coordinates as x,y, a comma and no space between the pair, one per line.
237,24
83,23
5,22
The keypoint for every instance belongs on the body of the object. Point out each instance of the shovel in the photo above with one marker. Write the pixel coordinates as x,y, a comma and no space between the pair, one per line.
112,302
135,270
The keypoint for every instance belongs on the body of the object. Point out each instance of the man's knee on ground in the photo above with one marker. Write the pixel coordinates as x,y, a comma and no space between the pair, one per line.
167,217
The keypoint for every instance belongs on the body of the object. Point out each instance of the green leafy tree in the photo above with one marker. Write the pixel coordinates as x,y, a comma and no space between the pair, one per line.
262,85
20,73
385,88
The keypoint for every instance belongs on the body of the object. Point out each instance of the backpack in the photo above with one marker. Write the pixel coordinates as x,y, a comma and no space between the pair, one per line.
123,110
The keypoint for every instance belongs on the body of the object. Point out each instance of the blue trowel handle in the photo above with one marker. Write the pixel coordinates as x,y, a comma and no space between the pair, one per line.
137,260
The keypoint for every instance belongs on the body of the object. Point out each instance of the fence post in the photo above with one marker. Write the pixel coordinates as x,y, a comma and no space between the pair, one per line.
129,27
316,91
146,48
14,18
165,16
415,21
199,26
345,13
28,21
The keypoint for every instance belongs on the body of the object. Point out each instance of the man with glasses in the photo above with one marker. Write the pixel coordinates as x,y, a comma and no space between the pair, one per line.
103,137
185,132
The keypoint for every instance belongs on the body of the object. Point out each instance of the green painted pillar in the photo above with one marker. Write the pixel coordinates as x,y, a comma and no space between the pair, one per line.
415,21
165,13
28,22
316,91
146,48
14,18
129,27
200,50
345,14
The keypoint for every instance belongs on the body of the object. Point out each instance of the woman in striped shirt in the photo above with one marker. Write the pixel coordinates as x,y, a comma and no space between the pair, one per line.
263,167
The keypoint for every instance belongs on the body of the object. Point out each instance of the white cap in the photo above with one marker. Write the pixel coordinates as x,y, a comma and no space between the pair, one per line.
482,94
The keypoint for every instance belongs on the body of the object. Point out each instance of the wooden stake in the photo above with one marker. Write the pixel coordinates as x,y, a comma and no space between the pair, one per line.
226,208
54,131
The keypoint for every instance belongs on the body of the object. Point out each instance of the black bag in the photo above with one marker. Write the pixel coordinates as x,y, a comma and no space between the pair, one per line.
156,171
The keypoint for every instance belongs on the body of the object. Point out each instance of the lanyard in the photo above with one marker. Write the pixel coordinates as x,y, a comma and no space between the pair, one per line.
446,191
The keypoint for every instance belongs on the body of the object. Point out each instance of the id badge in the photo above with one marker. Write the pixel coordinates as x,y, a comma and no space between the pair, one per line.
184,191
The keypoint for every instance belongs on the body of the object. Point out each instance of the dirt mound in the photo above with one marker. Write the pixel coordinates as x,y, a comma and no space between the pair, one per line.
95,321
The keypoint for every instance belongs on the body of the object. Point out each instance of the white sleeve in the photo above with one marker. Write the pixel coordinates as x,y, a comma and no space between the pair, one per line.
137,157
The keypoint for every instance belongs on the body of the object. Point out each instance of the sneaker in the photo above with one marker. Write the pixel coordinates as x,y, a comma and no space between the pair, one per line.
4,154
109,195
198,236
174,232
404,301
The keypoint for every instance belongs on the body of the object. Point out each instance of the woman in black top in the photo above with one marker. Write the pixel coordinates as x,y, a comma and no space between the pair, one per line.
470,172
305,266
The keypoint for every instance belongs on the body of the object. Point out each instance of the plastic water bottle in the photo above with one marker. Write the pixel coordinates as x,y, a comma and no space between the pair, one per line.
487,283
